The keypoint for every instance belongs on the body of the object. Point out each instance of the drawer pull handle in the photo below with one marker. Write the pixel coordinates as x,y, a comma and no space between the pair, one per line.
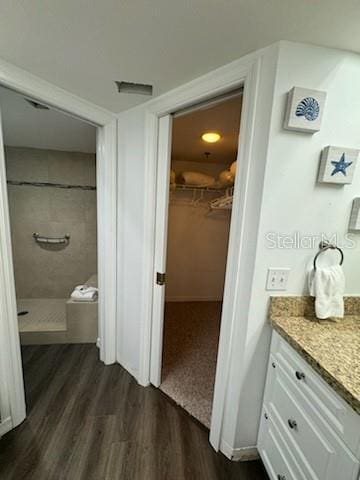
300,375
292,423
281,477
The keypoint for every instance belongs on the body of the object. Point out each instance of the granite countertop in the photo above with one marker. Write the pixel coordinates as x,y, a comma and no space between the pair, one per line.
332,348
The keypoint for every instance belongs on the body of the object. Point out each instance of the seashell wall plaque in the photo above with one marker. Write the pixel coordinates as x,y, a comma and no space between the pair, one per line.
304,110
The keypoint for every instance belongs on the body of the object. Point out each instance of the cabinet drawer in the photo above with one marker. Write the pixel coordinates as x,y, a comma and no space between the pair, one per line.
278,461
317,449
320,398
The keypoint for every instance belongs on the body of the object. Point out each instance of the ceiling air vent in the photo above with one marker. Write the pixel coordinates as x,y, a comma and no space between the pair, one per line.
130,87
37,105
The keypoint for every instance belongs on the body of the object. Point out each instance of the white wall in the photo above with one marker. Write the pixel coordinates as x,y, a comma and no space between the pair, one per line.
197,242
131,131
132,270
294,202
131,218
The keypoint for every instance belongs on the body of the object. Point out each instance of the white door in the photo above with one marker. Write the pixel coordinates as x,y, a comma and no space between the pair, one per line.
12,398
161,226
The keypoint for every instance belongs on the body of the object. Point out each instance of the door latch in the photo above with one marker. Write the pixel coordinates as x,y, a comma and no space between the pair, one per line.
160,278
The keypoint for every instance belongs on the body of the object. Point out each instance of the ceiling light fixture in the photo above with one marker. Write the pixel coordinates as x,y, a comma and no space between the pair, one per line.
211,137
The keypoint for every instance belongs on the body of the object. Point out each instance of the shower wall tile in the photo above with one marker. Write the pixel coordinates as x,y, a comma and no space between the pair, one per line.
91,233
90,173
35,165
89,199
72,168
29,203
67,205
49,271
27,164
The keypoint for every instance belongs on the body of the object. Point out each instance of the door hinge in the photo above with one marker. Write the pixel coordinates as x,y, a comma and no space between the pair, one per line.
160,278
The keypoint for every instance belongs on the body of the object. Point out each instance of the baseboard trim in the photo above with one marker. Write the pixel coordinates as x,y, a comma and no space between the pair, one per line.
133,371
5,426
193,299
243,454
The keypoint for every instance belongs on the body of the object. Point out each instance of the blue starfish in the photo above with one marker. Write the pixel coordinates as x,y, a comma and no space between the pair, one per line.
341,166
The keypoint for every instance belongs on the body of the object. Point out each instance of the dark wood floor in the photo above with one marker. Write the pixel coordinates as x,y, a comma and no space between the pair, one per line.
90,421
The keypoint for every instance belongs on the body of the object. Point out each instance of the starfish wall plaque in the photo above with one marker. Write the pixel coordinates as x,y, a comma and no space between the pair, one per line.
338,165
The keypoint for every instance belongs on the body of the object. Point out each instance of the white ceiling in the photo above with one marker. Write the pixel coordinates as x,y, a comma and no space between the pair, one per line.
223,118
83,46
25,126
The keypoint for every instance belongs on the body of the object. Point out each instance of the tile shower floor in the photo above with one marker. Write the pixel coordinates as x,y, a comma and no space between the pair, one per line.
191,337
44,314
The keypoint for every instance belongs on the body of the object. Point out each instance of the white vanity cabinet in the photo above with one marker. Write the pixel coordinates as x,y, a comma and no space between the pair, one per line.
307,431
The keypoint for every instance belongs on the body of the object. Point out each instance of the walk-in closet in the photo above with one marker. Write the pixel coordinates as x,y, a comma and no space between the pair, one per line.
203,171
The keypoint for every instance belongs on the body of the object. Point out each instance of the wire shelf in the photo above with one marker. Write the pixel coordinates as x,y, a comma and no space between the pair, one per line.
192,188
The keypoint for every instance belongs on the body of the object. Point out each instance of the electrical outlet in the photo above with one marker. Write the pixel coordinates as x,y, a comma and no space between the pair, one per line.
277,278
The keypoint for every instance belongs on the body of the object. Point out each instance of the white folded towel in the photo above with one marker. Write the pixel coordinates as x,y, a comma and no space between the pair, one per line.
83,293
85,288
327,285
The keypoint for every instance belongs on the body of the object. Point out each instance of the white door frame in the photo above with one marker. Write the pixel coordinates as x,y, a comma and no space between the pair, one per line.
161,230
12,400
105,121
241,256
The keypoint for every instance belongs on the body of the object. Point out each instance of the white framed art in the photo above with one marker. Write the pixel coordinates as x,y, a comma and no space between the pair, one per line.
304,110
354,223
337,165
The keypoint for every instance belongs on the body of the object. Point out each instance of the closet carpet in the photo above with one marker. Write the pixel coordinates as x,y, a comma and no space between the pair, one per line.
88,421
191,337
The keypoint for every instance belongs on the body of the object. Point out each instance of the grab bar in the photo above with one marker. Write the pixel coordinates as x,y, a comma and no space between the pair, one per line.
53,240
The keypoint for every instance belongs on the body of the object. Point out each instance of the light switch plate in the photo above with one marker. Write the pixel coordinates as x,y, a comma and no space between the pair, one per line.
277,278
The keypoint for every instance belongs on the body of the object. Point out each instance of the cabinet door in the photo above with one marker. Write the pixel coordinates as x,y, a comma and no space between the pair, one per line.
319,452
319,400
278,461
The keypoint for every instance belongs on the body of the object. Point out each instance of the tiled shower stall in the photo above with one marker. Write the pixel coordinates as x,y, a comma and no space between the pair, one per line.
52,193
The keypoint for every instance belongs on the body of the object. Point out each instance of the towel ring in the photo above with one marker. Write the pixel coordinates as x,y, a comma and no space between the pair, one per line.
323,246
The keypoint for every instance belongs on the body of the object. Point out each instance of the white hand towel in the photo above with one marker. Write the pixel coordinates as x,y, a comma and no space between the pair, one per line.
87,296
85,289
327,285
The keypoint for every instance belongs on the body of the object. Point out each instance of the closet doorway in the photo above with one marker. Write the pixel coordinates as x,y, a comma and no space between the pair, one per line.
203,160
